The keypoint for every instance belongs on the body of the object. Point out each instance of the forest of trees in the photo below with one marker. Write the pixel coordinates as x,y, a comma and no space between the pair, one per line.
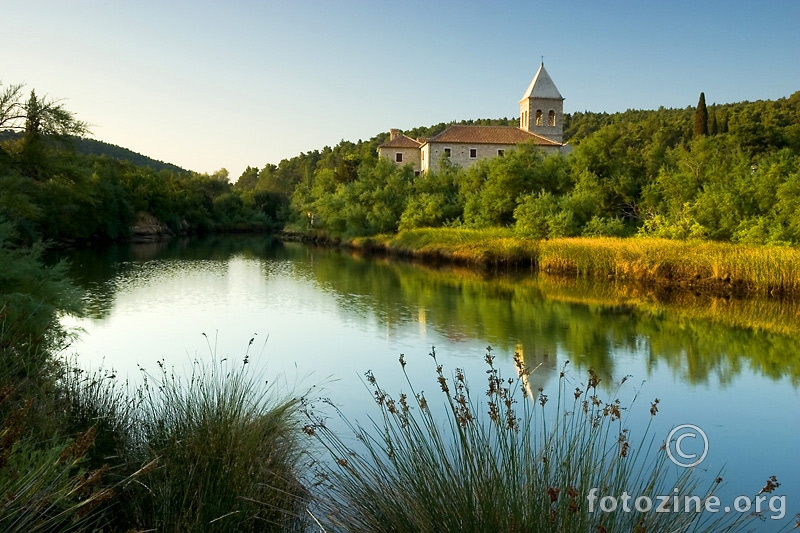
57,185
723,172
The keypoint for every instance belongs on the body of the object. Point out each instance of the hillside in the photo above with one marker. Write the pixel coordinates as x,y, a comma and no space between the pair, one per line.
95,147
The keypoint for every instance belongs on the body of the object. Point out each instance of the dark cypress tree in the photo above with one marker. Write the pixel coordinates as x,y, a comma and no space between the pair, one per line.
701,117
712,121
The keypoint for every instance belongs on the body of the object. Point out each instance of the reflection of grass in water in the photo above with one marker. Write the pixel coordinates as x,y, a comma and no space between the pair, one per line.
755,313
504,462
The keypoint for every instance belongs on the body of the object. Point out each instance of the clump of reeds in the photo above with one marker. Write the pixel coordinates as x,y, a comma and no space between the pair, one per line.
226,451
216,450
513,460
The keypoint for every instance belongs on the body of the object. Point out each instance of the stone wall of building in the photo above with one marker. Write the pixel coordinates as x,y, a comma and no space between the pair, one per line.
460,153
411,156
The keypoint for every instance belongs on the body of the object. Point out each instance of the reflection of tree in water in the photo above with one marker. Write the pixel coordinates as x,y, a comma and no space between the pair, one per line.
103,272
591,324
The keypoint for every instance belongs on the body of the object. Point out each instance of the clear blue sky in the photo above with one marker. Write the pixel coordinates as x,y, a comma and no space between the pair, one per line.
207,85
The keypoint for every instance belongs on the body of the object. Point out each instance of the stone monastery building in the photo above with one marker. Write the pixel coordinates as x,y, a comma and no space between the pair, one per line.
541,122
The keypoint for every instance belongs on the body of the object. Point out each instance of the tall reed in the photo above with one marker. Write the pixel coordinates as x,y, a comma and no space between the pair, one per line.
226,451
513,461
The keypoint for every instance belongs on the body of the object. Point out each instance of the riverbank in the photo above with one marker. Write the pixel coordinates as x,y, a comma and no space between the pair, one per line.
705,266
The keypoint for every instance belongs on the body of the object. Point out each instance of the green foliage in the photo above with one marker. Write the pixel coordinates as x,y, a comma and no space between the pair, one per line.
493,188
32,295
604,227
636,171
434,199
94,147
372,202
248,180
46,489
52,191
534,214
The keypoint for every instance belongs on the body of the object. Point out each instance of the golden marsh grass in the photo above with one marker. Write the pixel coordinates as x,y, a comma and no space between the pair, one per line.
695,264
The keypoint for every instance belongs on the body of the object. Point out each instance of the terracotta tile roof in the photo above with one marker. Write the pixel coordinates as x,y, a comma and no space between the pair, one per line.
490,135
401,141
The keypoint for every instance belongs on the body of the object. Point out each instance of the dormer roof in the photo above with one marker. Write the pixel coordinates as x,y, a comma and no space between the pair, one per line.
401,141
542,86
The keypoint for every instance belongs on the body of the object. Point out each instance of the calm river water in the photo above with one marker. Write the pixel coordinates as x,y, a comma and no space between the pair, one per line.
321,318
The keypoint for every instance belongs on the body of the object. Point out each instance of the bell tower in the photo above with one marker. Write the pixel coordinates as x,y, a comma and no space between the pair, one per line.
541,110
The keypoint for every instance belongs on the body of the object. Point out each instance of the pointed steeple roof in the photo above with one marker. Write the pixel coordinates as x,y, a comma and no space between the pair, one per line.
542,86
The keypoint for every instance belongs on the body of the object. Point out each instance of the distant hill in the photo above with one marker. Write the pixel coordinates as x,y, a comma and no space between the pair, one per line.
94,147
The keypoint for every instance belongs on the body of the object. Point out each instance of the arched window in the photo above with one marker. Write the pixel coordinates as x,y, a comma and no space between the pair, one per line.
552,119
538,117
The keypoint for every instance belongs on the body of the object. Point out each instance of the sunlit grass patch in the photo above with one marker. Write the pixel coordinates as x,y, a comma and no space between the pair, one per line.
756,268
697,264
465,245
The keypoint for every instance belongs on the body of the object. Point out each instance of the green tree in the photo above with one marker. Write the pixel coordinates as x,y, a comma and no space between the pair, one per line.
713,128
701,117
248,180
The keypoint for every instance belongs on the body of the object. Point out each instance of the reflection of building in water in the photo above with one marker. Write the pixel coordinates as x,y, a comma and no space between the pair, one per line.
422,320
543,365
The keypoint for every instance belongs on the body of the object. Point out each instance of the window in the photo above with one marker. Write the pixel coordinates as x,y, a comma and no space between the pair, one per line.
538,117
500,152
473,153
422,154
447,152
552,120
398,157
